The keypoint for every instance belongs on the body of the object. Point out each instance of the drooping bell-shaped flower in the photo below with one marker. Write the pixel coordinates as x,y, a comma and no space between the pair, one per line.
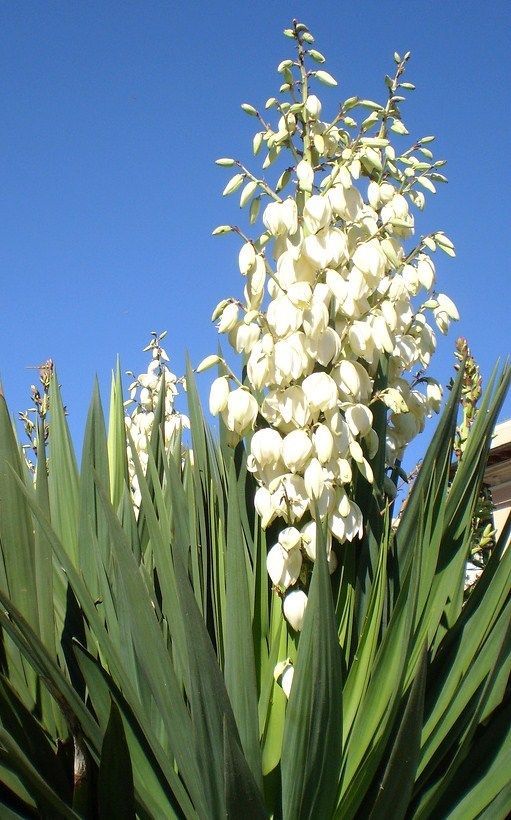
266,446
321,391
294,607
359,419
281,217
242,409
283,567
305,175
246,258
317,213
296,450
218,395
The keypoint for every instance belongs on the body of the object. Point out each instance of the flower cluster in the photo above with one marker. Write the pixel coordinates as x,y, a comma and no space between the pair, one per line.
333,291
145,391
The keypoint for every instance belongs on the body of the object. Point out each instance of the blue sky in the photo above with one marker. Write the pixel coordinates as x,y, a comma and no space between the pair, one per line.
112,116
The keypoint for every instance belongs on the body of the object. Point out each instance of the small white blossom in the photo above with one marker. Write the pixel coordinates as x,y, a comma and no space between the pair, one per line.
294,607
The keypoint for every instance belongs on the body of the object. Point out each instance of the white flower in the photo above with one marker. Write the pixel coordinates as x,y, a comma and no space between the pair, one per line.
263,503
146,399
361,340
370,259
425,271
309,538
260,364
283,567
445,311
244,336
283,317
315,319
434,395
305,175
286,680
281,217
290,538
247,258
349,526
325,347
346,202
323,443
327,248
289,496
242,409
296,450
294,607
290,358
359,419
266,446
321,391
289,405
218,395
317,213
228,318
149,380
283,675
448,306
381,336
314,478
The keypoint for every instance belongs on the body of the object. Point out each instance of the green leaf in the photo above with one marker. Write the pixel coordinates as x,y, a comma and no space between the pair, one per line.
210,707
239,796
117,458
396,786
16,530
312,733
50,803
63,481
240,675
30,737
158,787
115,783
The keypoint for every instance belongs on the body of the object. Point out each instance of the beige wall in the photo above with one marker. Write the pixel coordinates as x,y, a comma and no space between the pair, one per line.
498,473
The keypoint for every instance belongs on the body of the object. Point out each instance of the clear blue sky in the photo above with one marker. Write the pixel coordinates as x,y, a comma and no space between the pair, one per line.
112,116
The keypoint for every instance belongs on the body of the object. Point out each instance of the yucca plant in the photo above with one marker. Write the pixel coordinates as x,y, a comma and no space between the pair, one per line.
147,668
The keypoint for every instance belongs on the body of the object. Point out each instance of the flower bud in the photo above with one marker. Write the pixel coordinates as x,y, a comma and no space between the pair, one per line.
313,107
294,607
205,364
